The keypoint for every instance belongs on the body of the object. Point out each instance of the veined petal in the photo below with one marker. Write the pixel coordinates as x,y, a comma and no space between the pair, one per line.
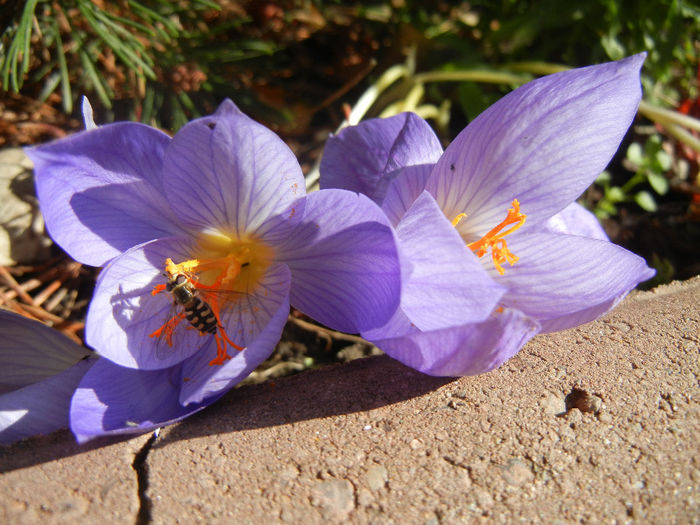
115,400
575,220
464,350
31,352
204,381
227,171
101,191
448,285
403,188
358,157
559,275
246,316
42,407
543,144
344,262
123,312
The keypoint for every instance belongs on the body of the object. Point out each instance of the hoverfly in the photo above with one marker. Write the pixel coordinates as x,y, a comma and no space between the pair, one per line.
200,306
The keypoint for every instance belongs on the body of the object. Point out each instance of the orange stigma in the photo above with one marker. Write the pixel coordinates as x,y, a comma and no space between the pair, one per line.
495,239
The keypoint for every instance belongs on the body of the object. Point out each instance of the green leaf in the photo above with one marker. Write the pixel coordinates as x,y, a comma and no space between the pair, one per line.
663,159
614,49
645,201
18,51
635,154
605,208
603,179
615,194
66,95
658,182
102,89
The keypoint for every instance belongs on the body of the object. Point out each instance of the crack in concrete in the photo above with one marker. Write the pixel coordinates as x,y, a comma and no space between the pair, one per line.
140,466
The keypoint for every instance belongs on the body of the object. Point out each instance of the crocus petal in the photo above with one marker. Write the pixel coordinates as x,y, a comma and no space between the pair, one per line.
101,190
42,407
575,220
464,350
403,188
448,285
88,119
582,316
559,275
204,381
115,400
227,171
358,157
343,257
543,143
123,312
31,352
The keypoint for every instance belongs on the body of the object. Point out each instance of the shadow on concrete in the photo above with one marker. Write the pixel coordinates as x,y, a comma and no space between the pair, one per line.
357,386
42,449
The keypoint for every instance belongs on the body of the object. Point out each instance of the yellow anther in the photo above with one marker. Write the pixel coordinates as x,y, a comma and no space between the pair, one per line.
185,267
495,241
458,219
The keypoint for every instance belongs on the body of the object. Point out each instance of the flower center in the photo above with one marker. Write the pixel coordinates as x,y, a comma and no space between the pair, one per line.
495,241
229,263
225,269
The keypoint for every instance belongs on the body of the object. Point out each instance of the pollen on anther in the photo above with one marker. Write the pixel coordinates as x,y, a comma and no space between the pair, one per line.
495,241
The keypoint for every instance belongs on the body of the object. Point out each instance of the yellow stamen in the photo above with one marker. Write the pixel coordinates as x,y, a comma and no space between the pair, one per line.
458,219
494,239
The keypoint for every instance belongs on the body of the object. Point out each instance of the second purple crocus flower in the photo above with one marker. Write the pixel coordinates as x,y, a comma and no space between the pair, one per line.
217,211
506,188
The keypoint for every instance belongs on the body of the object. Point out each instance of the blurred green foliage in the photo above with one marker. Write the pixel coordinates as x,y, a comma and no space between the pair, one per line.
287,61
172,57
650,164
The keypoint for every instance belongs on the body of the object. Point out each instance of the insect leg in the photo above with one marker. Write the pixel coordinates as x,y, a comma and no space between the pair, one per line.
169,328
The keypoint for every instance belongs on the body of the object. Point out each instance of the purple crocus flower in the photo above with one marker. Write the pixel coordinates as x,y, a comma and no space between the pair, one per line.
39,371
214,220
506,185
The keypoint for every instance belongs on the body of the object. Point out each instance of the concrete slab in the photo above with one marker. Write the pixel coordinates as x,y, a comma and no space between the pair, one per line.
595,424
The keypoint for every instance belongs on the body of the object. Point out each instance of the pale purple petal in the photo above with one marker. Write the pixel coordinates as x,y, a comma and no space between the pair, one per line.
101,191
88,119
403,188
31,352
543,144
123,312
582,316
575,220
42,407
205,381
228,172
448,285
360,156
464,350
115,400
399,325
343,257
559,275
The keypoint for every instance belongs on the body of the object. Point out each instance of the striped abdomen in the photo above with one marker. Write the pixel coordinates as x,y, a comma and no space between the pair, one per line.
197,311
199,314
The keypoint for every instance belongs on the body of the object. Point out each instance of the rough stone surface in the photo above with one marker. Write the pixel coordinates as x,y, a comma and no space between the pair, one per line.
22,237
52,479
598,424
